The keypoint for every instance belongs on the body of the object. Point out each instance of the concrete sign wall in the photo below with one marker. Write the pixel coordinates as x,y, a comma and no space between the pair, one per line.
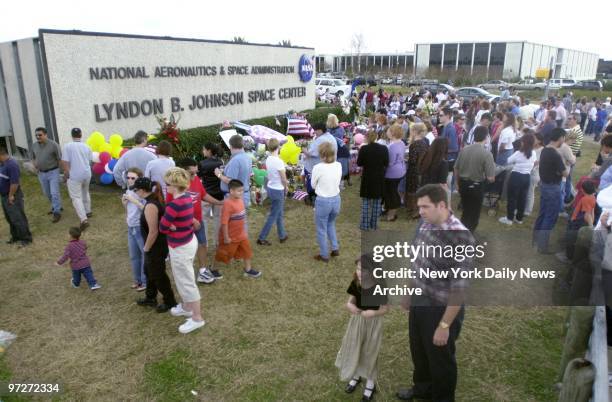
118,83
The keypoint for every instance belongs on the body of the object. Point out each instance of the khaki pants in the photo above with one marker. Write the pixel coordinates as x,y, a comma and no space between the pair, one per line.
79,194
181,260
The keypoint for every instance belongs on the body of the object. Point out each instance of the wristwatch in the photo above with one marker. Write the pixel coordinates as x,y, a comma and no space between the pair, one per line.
443,325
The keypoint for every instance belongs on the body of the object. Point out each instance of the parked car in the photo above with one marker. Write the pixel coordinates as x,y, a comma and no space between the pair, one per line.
494,84
557,83
528,84
386,81
399,80
335,86
471,93
369,81
589,84
434,88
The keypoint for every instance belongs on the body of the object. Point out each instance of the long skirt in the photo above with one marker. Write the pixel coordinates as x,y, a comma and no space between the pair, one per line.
358,355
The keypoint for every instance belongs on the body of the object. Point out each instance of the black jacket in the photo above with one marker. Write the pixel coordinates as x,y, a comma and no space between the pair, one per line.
373,158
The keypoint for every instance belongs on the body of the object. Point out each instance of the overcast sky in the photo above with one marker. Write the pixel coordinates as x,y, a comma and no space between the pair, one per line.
386,26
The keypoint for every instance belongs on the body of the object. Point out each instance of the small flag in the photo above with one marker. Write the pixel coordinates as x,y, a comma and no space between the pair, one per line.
299,195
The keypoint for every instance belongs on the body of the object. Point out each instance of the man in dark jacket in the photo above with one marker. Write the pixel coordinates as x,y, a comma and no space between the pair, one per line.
373,158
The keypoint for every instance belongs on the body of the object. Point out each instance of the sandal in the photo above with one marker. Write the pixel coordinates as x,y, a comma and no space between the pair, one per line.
352,385
366,398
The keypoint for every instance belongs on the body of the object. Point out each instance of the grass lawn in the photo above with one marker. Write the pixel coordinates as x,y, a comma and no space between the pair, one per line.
275,338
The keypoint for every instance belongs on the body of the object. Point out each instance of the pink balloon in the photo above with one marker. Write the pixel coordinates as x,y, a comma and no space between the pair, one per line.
98,168
358,138
105,157
124,150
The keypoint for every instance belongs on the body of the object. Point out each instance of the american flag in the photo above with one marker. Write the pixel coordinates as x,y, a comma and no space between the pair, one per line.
299,126
299,195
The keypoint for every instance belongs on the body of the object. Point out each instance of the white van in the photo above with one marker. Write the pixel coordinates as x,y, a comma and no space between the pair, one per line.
556,83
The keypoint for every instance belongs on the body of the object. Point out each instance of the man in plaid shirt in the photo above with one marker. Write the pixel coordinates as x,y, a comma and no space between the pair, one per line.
437,315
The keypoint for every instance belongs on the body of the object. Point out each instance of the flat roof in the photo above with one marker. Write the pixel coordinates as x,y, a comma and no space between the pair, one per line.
133,36
502,41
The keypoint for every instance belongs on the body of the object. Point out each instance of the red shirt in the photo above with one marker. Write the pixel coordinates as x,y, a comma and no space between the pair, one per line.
179,213
197,193
76,252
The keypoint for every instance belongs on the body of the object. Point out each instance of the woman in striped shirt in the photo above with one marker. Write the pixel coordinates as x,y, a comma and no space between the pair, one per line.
177,225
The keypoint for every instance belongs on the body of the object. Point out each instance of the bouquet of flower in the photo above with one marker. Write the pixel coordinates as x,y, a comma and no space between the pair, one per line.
169,131
168,128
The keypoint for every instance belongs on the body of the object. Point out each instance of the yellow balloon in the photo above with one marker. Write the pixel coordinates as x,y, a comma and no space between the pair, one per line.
115,140
95,140
106,147
290,152
115,151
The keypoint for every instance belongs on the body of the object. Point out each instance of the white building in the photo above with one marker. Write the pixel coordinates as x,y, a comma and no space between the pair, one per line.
483,60
505,60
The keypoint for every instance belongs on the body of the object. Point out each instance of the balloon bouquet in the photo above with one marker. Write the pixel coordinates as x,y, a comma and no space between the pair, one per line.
105,154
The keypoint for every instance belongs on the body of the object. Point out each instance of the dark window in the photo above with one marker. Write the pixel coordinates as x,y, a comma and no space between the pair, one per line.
450,55
402,61
393,61
465,54
481,54
410,61
385,61
370,61
362,63
377,61
435,55
498,54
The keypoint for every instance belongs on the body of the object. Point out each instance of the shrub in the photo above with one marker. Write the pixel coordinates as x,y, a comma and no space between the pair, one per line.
194,139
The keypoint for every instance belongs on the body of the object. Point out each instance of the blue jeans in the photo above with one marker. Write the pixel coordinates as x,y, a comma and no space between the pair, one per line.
50,182
135,248
502,156
567,191
518,186
326,211
87,273
276,214
550,194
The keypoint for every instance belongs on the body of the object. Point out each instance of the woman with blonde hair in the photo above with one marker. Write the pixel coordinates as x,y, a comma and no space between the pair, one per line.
326,177
177,225
395,171
417,148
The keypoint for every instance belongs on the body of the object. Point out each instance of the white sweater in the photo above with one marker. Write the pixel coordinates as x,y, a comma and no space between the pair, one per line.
521,163
326,179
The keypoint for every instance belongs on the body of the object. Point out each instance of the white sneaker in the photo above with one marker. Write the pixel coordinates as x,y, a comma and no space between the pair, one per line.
178,311
96,286
205,276
564,215
505,221
190,325
517,221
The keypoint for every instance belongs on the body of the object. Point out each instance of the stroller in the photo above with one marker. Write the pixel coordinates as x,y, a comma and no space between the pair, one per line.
496,191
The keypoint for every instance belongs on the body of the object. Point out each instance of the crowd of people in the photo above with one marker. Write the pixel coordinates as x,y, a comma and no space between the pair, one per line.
420,151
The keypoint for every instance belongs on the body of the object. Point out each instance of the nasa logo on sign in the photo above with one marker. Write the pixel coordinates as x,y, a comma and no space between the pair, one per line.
305,68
